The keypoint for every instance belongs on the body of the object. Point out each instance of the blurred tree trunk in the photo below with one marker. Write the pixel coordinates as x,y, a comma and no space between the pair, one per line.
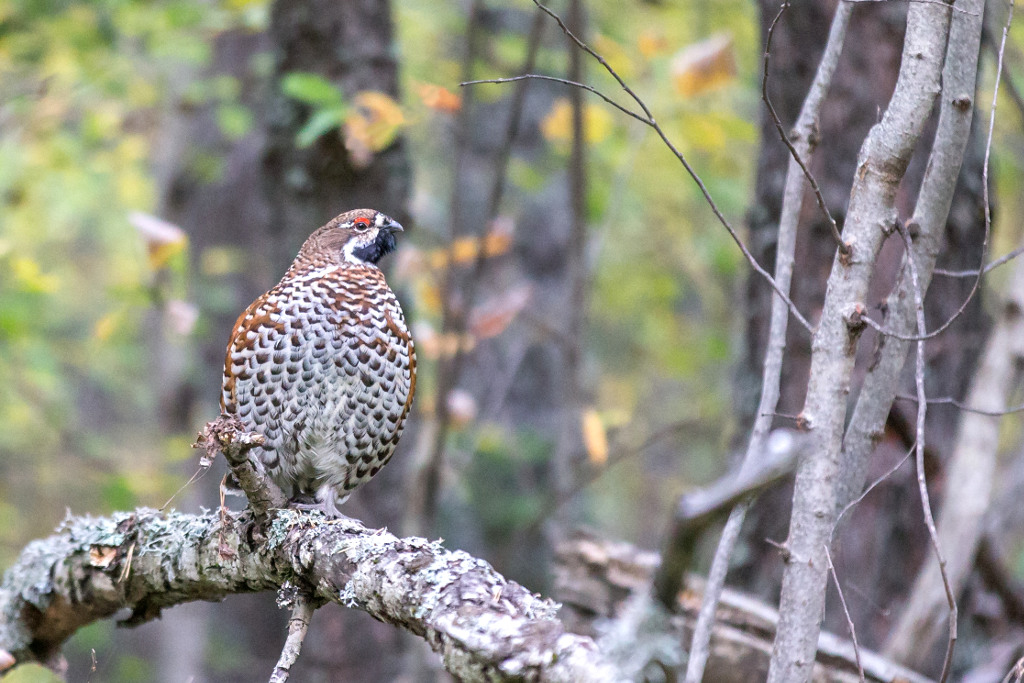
884,540
246,218
350,44
519,380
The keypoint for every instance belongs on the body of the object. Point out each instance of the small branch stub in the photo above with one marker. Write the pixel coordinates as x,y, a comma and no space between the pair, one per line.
845,254
854,320
227,435
962,103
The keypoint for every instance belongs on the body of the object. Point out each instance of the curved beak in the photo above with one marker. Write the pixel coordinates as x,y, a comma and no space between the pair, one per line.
394,226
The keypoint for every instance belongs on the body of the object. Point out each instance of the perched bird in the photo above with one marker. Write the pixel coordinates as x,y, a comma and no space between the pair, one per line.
323,365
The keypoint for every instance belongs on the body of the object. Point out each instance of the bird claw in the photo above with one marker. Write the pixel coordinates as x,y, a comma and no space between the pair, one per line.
326,508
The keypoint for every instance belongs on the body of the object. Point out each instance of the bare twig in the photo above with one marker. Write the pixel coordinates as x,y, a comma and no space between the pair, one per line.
298,624
871,487
949,400
805,139
846,611
922,482
843,246
1016,674
563,81
873,409
991,266
970,478
649,120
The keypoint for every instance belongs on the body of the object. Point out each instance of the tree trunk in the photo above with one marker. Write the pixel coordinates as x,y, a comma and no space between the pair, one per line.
260,204
884,541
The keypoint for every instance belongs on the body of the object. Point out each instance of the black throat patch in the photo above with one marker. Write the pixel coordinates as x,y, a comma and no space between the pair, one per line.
376,250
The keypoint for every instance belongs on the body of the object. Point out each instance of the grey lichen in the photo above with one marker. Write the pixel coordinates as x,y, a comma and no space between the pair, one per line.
484,626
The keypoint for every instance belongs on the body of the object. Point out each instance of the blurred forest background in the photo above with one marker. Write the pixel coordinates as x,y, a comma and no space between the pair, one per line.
588,334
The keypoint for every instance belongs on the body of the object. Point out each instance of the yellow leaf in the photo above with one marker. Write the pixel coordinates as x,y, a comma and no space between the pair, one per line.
557,125
163,240
372,125
31,277
105,326
595,439
704,66
439,99
464,250
429,297
615,55
651,43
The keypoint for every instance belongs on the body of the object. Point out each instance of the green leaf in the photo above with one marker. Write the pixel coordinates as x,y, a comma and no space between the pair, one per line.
312,89
234,120
322,121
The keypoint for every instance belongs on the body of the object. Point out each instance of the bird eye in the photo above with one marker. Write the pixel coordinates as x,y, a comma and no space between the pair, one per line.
361,226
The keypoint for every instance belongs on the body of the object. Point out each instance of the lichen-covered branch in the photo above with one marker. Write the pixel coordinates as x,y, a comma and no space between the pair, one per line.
484,626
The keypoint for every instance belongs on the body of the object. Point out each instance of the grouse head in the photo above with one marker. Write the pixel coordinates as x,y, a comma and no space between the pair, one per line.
356,237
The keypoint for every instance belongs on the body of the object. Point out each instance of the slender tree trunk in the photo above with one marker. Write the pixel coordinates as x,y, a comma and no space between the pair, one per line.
260,203
885,540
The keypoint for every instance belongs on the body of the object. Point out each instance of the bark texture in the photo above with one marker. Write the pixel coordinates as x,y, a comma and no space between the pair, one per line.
882,162
349,43
485,627
884,540
597,580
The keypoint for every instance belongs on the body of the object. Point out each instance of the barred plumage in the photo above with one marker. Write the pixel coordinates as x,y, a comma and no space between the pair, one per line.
323,365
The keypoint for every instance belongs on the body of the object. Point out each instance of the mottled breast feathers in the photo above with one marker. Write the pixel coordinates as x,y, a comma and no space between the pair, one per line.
323,365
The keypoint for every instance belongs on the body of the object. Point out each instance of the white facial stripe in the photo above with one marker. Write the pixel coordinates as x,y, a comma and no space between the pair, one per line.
355,243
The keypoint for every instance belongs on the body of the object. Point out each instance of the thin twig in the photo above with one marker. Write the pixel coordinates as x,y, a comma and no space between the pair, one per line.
298,624
844,248
922,334
650,121
949,400
871,487
922,483
991,266
563,81
789,219
846,611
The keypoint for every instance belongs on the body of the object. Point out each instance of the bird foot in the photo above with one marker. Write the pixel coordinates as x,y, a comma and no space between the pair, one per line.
326,508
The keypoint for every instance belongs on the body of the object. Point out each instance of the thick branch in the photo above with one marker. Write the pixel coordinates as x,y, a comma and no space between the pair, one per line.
484,627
